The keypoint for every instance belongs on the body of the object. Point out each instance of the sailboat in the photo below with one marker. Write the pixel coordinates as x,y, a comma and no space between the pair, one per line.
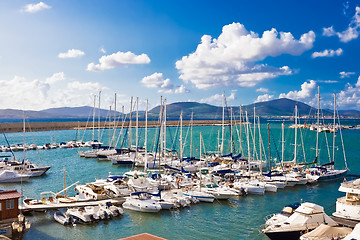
327,171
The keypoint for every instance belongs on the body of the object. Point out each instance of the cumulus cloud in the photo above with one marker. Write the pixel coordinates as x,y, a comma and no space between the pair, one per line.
33,8
157,80
217,99
230,60
263,90
327,53
346,74
56,77
305,92
181,89
71,53
118,59
350,97
45,94
352,32
264,98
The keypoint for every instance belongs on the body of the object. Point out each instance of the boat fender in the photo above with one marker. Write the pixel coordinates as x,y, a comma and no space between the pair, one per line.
75,189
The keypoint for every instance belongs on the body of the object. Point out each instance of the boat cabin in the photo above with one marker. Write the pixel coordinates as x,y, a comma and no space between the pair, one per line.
9,204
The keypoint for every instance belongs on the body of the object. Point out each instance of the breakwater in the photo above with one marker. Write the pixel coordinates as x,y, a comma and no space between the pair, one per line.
51,126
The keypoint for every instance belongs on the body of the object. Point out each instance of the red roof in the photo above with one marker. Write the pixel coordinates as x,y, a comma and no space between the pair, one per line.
9,194
143,236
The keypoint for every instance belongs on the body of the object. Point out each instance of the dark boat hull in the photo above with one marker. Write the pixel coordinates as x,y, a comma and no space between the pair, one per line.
294,235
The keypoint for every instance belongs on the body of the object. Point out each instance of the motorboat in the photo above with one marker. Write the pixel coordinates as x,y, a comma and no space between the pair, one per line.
355,234
221,193
322,173
306,217
200,195
9,176
285,213
141,202
326,232
348,207
63,218
80,214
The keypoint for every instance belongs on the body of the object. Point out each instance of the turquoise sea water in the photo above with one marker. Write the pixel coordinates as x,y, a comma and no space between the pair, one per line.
238,218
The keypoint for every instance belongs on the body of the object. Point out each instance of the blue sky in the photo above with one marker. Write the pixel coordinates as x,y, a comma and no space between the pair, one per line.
61,53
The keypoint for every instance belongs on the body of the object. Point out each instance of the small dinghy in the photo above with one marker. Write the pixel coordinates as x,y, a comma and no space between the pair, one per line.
62,218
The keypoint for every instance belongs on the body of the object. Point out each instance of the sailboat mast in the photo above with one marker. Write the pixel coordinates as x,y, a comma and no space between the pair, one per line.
93,132
164,135
181,141
64,183
130,118
282,143
318,126
334,129
191,132
296,126
145,143
240,137
254,137
99,117
231,131
260,144
137,125
24,138
248,139
268,126
222,125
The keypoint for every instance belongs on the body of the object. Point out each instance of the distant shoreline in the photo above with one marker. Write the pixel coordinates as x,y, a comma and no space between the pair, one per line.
51,126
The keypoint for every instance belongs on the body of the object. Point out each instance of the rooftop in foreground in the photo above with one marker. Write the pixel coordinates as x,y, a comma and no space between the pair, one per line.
143,236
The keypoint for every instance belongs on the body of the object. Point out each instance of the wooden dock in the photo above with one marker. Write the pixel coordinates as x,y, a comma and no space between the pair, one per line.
53,206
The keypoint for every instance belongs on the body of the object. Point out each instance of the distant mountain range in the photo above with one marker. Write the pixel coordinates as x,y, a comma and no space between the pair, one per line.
279,108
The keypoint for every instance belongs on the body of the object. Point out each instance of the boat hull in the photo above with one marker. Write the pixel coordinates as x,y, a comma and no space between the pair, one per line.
294,235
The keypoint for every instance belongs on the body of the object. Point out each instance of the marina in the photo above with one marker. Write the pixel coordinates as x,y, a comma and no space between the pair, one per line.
236,207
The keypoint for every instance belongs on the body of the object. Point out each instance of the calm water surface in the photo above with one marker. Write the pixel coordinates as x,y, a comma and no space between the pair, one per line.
238,218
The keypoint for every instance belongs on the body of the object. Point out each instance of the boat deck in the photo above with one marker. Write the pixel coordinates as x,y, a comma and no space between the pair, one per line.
345,222
49,206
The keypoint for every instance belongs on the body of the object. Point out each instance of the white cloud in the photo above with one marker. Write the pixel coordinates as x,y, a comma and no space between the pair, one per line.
45,94
346,74
217,99
230,60
327,81
181,89
350,97
263,90
352,32
327,53
56,77
264,98
305,92
71,53
118,59
33,8
157,80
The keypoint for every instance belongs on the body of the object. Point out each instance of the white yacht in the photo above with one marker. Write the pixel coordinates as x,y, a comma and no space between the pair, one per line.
8,176
306,217
141,202
348,207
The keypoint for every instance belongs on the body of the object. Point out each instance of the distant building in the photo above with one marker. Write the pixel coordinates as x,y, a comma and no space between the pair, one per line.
12,222
9,204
